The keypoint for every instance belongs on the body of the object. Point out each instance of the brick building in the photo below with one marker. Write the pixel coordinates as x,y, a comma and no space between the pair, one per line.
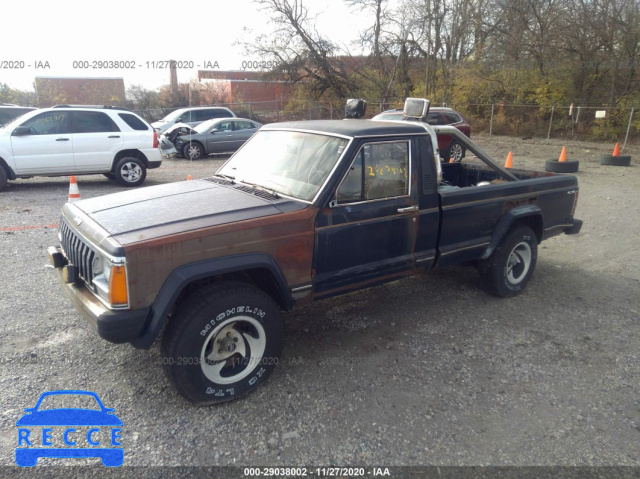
251,87
79,91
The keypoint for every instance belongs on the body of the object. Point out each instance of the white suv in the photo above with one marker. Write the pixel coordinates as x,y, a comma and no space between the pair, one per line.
76,140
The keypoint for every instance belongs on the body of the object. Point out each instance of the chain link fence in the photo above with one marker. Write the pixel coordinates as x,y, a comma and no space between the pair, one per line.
555,121
596,123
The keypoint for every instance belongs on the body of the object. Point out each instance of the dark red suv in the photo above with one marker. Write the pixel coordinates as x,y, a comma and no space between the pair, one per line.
449,148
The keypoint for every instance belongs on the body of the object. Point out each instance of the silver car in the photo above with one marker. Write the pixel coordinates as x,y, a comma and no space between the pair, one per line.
213,136
191,116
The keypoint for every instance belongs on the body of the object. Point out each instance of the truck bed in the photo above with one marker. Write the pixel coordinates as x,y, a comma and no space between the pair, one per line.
471,213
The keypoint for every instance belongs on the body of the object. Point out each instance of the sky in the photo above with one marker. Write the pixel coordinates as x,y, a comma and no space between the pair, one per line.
73,38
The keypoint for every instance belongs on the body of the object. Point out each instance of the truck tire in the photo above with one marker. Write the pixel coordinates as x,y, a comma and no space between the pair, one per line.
555,166
509,268
610,160
3,178
222,343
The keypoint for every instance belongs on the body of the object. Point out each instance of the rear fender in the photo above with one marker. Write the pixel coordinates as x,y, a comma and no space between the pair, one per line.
530,215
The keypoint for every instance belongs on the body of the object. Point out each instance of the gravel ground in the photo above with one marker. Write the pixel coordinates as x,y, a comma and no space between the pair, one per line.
428,370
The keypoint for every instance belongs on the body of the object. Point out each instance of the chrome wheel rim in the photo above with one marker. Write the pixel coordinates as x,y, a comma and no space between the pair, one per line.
233,349
456,152
519,262
130,172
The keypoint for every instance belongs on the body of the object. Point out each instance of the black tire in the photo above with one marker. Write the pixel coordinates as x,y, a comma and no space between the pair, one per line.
456,151
193,151
569,166
508,270
130,171
243,322
3,178
111,176
610,160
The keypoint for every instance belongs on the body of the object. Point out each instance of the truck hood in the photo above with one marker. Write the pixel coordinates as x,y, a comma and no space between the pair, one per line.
156,211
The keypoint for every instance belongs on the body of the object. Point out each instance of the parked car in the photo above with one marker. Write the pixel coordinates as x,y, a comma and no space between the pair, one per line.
303,211
9,112
191,117
448,146
212,136
76,140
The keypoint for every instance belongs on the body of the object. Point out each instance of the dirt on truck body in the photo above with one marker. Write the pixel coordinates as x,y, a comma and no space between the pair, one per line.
303,211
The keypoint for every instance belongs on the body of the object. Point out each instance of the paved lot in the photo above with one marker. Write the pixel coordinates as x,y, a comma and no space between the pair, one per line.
429,370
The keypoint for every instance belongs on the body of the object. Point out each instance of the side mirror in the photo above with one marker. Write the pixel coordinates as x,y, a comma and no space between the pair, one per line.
178,120
22,131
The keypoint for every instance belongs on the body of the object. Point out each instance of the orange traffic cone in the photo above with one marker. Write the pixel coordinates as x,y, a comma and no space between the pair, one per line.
188,177
74,192
451,160
563,155
509,162
616,150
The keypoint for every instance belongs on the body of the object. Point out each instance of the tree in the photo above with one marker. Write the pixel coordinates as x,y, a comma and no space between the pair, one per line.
302,53
18,97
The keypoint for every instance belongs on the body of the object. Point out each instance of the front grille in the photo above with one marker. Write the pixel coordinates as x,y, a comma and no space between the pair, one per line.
78,253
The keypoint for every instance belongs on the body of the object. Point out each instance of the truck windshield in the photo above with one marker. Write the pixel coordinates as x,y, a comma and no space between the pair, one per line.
288,162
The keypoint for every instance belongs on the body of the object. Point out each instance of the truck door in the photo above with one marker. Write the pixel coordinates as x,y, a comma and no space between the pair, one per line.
366,234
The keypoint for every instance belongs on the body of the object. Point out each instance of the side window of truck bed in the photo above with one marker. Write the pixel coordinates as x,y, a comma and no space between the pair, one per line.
379,170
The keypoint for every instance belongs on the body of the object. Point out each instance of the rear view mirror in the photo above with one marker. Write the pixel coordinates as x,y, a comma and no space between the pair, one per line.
416,107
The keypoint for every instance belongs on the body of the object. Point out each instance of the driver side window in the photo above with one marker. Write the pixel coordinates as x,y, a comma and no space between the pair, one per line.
379,170
49,123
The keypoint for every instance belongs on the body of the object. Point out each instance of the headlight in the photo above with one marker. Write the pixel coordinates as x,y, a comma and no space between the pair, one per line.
110,281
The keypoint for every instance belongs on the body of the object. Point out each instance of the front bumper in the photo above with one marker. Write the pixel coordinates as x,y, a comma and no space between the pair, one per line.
114,326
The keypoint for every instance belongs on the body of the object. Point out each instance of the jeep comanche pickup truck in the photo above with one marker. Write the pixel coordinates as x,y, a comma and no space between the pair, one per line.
303,211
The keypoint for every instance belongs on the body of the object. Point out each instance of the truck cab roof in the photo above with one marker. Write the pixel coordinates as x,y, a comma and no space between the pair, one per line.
352,128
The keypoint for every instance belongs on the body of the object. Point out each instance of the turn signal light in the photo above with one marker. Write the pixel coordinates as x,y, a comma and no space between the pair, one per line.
118,286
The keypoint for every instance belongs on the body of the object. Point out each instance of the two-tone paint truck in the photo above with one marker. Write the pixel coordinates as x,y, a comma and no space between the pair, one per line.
303,211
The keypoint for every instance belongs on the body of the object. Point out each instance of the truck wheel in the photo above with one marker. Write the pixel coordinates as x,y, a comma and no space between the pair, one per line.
3,178
222,343
508,270
130,171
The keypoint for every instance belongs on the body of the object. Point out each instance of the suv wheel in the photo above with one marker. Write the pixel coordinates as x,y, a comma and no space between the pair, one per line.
455,151
3,178
222,342
130,171
192,151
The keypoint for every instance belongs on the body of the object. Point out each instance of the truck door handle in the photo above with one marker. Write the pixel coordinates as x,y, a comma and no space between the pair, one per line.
62,139
408,209
114,136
